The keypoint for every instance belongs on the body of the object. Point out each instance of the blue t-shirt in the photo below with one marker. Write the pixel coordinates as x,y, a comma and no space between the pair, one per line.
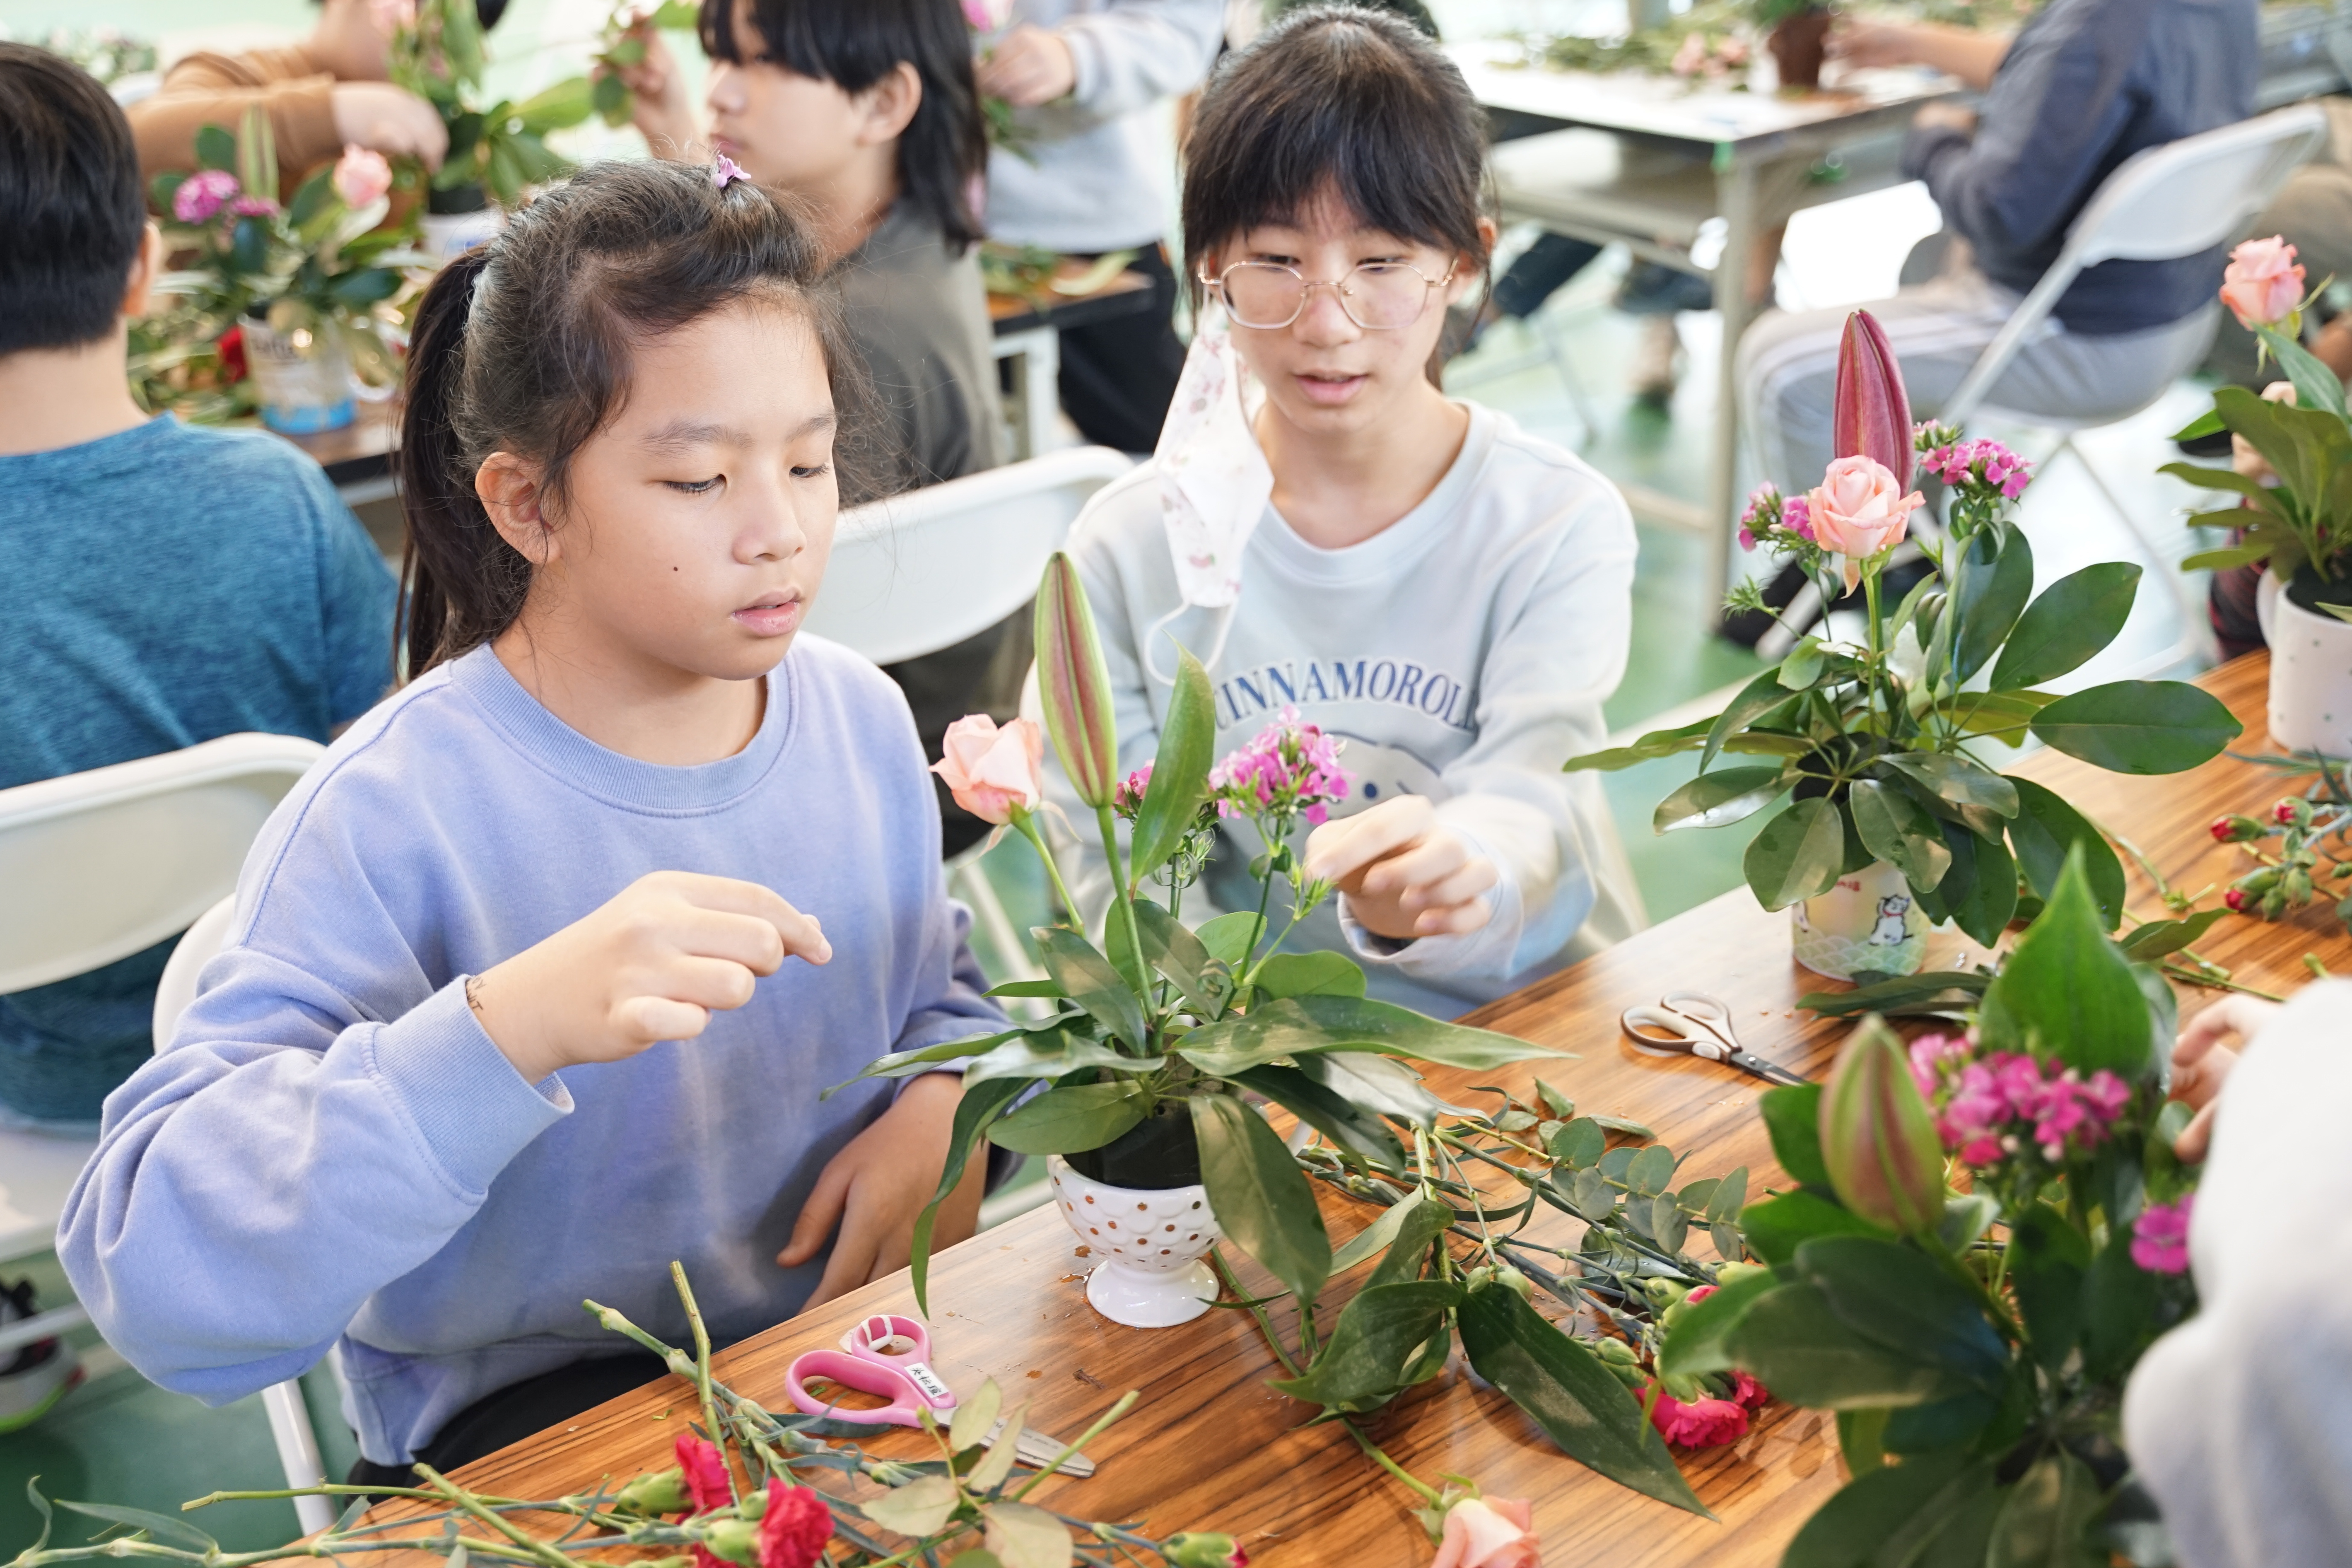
159,588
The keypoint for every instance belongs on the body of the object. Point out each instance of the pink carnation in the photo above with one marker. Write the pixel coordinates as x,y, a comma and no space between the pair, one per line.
1703,1423
201,194
2160,1237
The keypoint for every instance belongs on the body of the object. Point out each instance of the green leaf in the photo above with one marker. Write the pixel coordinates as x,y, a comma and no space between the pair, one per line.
1698,1341
1259,1195
1567,1391
1026,988
2226,559
1318,973
1180,772
1898,828
997,1463
1426,1220
2046,1517
1757,699
2140,726
2120,1303
2046,830
977,1557
2206,423
972,1419
1777,1226
1374,1237
1899,1299
1796,855
1990,903
1995,578
1792,1118
1073,1117
1896,1516
1649,748
2048,1260
162,1527
566,104
1580,1143
1932,992
2153,941
1360,1133
1963,781
1023,1536
903,1064
2069,991
980,1106
1794,1343
1720,798
1206,981
1363,1365
1053,1054
613,98
2079,614
920,1507
2316,385
216,149
1090,981
1300,1025
1230,937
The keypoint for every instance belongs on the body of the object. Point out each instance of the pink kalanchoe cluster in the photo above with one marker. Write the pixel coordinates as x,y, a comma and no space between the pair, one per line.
1292,768
1980,462
1770,519
1989,1108
1128,799
201,194
252,206
2160,1237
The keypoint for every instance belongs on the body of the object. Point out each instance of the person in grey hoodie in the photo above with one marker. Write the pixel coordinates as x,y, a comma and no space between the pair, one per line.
1089,174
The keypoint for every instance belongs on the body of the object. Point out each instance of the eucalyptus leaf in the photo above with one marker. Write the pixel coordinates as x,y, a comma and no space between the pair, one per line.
1259,1195
2075,618
2140,726
1797,855
920,1507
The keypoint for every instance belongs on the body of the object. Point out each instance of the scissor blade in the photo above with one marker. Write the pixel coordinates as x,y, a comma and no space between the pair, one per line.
1035,1448
1768,1069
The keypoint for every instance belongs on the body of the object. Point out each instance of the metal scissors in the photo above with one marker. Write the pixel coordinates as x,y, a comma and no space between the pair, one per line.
1692,1022
890,1357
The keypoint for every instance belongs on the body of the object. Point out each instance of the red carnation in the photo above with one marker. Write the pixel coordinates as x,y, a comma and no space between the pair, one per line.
706,1473
231,349
1704,1423
793,1530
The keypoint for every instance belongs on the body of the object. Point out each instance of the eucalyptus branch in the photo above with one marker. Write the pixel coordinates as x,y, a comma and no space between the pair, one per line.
1102,1423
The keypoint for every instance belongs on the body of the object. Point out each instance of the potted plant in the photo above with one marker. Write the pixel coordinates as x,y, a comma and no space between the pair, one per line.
2295,507
1890,822
1974,1345
1797,33
495,149
297,294
1140,1082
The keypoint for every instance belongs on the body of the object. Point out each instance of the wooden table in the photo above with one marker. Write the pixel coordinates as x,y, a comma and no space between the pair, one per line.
1028,344
1211,1447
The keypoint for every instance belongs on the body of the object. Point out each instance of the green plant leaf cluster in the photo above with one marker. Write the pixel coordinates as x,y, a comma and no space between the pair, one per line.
2303,522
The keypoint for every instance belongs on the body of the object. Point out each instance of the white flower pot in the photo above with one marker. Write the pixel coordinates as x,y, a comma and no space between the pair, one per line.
305,383
1151,1242
2311,673
1868,921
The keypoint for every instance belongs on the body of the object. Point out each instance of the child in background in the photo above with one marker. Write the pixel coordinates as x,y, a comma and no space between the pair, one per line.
863,110
521,1002
1411,573
159,586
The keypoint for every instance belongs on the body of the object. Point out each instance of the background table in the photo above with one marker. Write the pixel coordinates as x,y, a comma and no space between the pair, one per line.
1211,1447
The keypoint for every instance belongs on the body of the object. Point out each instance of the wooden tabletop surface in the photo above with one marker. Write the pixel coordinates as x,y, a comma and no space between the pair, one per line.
1210,1447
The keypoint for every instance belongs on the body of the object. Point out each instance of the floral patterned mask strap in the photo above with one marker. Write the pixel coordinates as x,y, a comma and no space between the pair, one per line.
1213,477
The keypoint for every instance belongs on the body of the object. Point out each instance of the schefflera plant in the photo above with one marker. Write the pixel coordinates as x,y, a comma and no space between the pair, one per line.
1164,1017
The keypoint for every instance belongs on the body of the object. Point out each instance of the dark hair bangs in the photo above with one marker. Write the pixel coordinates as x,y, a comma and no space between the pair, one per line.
1335,101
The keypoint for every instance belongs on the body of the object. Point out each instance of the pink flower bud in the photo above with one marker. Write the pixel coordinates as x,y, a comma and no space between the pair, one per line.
1872,414
1203,1549
1074,686
1877,1137
2237,898
2263,285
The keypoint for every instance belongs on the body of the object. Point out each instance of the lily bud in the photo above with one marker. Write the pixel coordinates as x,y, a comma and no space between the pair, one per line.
1877,1138
1074,686
657,1495
1199,1549
1872,415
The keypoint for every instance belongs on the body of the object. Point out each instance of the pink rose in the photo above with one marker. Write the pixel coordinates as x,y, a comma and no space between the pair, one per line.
201,194
2263,283
1488,1532
361,176
992,773
1690,58
1859,510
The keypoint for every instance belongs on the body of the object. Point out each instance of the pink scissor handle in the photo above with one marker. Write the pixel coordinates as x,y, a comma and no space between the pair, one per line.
845,1371
871,1337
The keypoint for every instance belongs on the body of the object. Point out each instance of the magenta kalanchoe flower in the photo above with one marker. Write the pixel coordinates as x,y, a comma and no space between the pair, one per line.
1796,517
253,206
201,194
1128,799
1291,768
2160,1237
1991,1108
1984,464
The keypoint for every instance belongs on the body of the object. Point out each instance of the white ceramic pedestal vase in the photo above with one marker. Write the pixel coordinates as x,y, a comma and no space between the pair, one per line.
2311,673
1151,1242
305,383
1868,921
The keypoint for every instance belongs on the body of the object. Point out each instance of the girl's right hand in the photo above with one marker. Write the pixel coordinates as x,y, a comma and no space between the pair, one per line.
2202,1064
662,112
652,964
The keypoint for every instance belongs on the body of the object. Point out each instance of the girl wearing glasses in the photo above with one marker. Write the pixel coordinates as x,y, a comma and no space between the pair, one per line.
1329,532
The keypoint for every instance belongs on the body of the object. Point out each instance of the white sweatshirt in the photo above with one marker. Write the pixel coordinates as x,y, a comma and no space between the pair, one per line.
1463,653
1093,172
2240,1421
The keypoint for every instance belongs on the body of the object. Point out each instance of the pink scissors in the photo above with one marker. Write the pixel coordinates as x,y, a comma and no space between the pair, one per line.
890,1357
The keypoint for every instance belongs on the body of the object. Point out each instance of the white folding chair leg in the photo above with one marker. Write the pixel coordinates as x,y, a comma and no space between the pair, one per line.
1556,350
298,1451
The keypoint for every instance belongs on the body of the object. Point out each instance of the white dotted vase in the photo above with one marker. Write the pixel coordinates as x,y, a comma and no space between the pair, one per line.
1869,921
1151,1242
2311,674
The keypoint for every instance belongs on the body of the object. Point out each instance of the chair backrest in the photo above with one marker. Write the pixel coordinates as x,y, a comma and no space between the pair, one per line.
2179,199
929,569
100,865
198,945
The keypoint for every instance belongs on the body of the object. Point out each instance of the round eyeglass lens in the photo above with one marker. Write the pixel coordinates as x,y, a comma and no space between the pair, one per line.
1377,297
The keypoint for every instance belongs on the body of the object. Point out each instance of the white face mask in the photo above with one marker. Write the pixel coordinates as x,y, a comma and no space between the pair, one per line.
1213,479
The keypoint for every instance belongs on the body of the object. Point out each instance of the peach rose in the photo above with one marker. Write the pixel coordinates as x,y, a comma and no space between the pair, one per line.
361,176
992,773
2263,285
1488,1532
1859,510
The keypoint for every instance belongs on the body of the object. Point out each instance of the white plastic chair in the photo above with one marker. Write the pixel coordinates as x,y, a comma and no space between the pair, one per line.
929,569
103,864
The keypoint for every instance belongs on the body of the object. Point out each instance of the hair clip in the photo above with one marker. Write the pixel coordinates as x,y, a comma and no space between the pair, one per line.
725,171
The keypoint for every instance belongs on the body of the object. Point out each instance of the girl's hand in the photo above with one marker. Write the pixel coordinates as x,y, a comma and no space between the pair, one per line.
652,964
1029,65
2202,1064
388,119
1403,873
1859,41
661,111
877,1187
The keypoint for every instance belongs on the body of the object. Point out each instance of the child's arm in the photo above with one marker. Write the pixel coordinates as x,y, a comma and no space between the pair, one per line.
291,1153
311,117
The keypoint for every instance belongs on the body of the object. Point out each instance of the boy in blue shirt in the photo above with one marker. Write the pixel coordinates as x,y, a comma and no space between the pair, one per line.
159,585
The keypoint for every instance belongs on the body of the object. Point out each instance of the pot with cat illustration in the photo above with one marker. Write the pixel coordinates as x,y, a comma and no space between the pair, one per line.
1867,925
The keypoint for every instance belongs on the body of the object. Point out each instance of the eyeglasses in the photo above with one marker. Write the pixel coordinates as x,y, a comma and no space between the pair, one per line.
1378,295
